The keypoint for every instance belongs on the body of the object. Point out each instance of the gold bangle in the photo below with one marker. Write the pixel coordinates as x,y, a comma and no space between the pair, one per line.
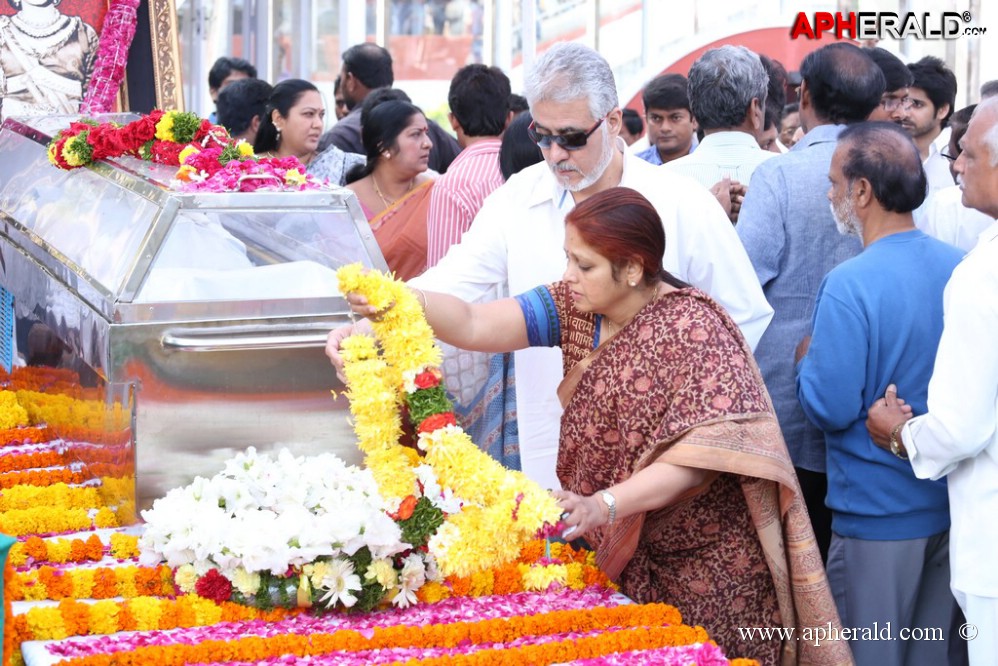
897,447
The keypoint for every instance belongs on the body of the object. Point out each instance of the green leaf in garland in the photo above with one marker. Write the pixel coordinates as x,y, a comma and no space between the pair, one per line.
185,126
145,150
80,149
422,524
426,402
229,153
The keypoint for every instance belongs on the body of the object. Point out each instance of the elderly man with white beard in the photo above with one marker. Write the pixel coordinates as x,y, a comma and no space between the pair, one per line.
517,239
958,436
877,322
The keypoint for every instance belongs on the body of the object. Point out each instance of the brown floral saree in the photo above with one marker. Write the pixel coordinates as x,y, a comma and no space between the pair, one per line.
679,384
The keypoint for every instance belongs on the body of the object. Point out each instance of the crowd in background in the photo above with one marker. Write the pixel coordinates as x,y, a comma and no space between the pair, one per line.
824,213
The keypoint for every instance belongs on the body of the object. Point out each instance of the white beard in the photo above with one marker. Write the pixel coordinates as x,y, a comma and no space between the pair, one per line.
597,171
846,220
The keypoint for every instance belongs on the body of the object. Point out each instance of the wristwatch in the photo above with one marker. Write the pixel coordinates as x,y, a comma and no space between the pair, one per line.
611,504
895,442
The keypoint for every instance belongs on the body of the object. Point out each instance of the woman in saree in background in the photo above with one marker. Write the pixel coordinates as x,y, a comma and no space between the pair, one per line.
670,454
46,59
393,187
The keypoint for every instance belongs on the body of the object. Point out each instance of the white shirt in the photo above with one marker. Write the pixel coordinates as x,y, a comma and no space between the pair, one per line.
722,154
958,437
517,240
944,216
937,169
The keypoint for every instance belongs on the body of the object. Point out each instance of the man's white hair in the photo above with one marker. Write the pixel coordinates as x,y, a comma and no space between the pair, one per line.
569,71
990,105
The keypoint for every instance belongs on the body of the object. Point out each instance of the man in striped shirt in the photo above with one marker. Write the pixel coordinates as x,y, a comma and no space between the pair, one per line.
479,112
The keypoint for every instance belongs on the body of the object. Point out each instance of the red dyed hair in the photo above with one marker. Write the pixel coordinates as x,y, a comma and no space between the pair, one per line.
621,225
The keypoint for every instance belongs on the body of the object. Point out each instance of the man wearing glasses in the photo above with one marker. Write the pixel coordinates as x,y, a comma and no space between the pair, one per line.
897,78
517,239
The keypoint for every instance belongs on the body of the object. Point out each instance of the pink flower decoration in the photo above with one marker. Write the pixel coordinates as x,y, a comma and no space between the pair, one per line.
112,55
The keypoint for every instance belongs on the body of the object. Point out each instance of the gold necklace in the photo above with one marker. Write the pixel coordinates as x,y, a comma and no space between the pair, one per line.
610,332
386,202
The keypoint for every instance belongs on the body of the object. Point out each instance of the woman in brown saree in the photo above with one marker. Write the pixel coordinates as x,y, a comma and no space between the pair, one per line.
393,187
671,457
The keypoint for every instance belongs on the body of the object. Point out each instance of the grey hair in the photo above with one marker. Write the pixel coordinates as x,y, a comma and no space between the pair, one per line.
569,71
990,104
723,82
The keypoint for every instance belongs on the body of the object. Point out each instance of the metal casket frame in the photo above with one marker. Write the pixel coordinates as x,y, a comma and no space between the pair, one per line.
205,315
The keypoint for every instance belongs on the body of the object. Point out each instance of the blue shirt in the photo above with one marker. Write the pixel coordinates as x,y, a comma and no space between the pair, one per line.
788,231
877,321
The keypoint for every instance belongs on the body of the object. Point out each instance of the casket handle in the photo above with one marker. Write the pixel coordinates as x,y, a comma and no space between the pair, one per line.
228,340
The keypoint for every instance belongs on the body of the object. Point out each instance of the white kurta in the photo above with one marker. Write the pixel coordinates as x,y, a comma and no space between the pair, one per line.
943,216
517,242
958,437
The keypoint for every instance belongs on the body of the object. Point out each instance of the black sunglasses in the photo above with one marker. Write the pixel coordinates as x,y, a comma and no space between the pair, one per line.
568,140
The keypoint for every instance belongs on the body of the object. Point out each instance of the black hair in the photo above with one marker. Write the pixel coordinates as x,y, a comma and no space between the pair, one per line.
224,66
518,103
479,99
370,64
668,91
518,150
776,91
376,97
380,131
632,121
938,81
958,124
896,73
989,89
240,102
792,107
884,154
844,83
284,96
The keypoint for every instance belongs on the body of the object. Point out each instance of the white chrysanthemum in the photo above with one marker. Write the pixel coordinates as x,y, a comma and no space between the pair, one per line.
412,577
339,584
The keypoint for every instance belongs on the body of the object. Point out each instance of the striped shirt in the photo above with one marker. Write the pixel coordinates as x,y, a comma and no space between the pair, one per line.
458,194
722,154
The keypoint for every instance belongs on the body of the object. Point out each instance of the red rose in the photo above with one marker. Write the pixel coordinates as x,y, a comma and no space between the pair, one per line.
437,421
427,379
167,152
214,586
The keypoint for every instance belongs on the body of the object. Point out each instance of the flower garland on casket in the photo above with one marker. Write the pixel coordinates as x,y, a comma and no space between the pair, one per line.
314,532
209,160
500,509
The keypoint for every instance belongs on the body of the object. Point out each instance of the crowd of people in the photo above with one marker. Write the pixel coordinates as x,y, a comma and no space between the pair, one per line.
750,347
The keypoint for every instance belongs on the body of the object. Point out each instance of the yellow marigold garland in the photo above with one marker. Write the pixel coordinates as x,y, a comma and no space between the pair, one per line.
505,508
12,414
91,583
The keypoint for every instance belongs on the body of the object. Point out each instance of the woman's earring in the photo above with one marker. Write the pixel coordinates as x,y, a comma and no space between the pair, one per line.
387,155
633,283
278,135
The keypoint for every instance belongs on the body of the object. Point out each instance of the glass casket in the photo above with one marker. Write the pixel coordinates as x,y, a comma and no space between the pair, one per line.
196,321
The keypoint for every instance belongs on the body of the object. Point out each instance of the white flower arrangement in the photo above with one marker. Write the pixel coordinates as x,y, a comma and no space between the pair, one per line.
286,530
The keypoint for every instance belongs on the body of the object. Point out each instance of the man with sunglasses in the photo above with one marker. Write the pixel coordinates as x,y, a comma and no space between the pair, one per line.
517,239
